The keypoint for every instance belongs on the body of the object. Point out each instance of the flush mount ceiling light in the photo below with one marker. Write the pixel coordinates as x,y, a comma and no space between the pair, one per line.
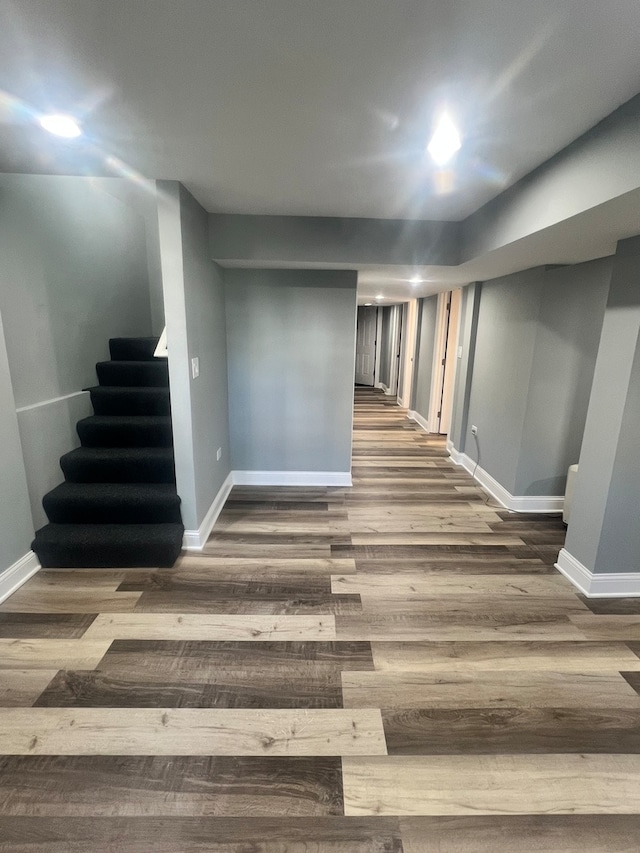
444,142
416,280
61,125
367,304
379,297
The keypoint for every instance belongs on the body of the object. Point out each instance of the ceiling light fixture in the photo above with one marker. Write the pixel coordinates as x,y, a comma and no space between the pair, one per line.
61,125
445,141
416,280
367,304
379,297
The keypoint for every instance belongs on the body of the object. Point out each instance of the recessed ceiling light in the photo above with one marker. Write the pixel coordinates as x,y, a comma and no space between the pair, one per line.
416,280
380,297
366,304
61,125
444,142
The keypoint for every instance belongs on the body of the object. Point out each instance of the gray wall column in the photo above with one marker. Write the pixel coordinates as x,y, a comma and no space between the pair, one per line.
604,534
469,311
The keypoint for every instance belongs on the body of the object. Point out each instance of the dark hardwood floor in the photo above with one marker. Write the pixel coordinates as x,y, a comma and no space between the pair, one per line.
392,667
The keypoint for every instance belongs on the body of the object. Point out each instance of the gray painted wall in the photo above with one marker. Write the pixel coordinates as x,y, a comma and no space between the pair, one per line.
603,531
291,356
385,346
536,345
73,274
469,310
572,306
422,373
206,330
306,240
601,165
194,306
507,325
16,527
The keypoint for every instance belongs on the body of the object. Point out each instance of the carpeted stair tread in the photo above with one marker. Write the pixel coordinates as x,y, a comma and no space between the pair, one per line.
113,503
119,400
119,465
133,373
125,431
108,545
133,349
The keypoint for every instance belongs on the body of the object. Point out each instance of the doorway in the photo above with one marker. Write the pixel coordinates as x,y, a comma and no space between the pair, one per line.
366,345
445,361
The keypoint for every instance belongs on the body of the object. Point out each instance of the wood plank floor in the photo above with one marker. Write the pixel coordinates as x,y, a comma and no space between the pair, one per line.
392,667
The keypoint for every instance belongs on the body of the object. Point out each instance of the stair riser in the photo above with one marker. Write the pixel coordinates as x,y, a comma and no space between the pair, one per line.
124,436
130,404
116,471
72,512
132,349
124,556
150,374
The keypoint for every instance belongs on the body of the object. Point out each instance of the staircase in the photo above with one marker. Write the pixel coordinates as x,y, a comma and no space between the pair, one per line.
118,505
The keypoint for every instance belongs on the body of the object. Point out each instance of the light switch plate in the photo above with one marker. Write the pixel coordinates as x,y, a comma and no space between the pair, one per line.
195,368
219,454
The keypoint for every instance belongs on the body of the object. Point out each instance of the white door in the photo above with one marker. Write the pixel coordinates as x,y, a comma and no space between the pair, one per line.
366,345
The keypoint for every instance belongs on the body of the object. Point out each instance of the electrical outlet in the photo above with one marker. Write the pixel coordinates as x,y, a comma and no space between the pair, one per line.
474,430
195,368
219,454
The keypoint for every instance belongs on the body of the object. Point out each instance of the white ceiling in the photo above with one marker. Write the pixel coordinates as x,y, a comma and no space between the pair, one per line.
313,107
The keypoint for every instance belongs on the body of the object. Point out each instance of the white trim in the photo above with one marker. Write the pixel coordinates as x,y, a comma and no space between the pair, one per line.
409,341
515,503
161,349
449,446
384,387
376,369
50,402
17,574
417,417
602,585
195,540
291,478
437,369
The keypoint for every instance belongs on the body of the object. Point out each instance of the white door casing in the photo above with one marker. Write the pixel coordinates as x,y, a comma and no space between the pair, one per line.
366,334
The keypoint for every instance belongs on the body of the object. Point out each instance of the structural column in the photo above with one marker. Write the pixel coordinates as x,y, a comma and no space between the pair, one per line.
602,549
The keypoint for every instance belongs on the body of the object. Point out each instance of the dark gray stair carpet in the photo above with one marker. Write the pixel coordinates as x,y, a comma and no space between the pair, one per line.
133,373
118,506
119,465
108,545
121,400
125,431
113,503
132,349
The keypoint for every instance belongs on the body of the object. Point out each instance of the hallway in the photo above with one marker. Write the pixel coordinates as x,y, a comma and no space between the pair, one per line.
396,666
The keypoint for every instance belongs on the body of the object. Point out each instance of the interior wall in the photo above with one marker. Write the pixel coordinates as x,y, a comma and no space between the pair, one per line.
572,307
536,345
385,346
195,315
603,531
291,357
423,370
288,241
16,527
73,274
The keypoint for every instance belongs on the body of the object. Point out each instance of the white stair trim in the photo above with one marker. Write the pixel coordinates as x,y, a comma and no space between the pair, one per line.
600,585
195,540
17,574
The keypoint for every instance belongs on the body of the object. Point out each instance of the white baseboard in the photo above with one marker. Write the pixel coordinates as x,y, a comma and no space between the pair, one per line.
449,446
415,416
291,478
17,574
195,540
515,503
614,585
384,387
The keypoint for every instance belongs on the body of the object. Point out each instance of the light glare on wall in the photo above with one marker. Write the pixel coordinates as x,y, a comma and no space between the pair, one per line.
61,125
444,142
